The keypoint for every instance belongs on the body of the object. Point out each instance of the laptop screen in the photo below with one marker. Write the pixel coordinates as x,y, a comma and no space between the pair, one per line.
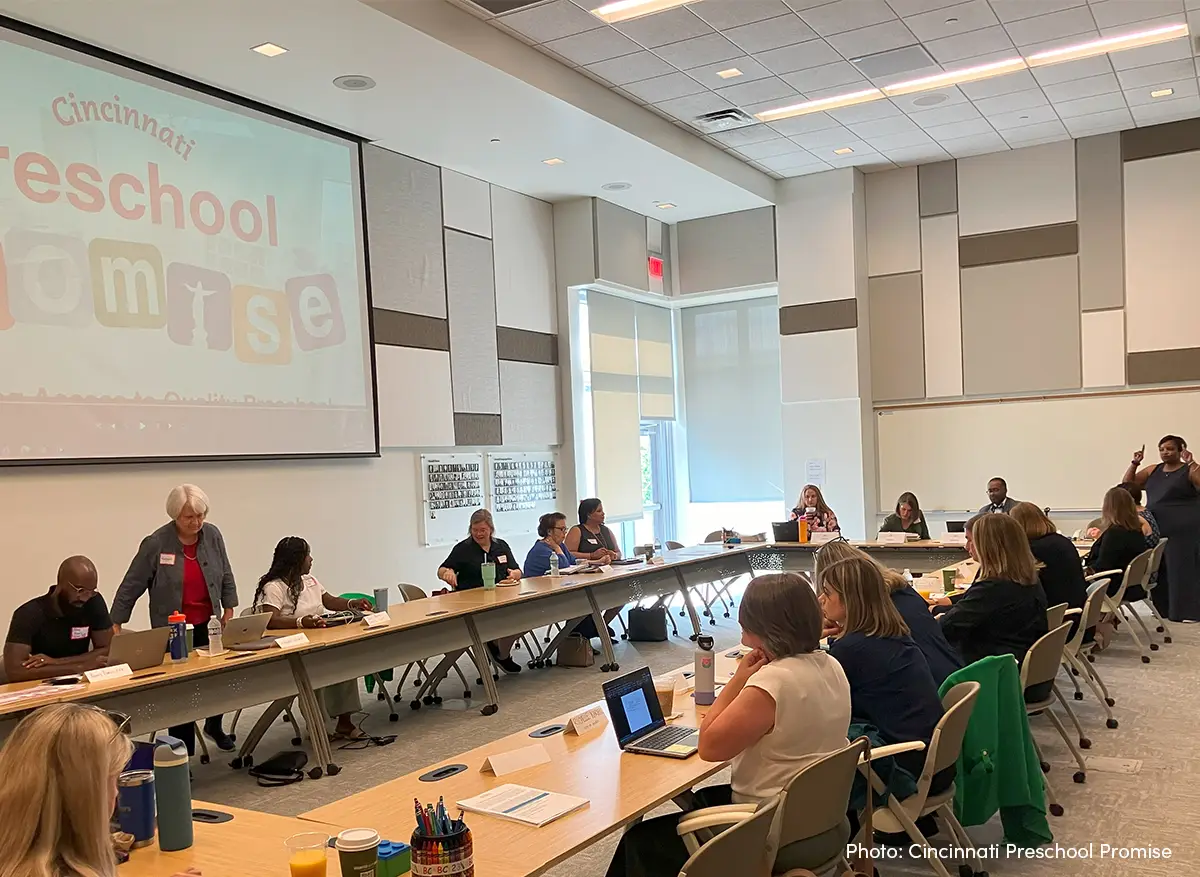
633,705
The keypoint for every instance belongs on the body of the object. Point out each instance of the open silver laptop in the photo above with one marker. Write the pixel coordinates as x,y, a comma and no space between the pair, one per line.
638,721
139,649
245,633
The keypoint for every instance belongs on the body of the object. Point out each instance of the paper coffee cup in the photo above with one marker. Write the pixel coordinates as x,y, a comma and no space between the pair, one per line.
948,576
358,851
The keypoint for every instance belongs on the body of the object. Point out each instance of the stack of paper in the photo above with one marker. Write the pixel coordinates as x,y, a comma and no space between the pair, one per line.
530,806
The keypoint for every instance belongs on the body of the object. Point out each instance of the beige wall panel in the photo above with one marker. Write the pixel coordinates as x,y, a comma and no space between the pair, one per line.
893,222
1103,334
897,337
941,307
1017,189
1101,222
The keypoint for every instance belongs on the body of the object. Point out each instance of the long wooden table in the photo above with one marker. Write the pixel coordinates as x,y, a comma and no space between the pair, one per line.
620,788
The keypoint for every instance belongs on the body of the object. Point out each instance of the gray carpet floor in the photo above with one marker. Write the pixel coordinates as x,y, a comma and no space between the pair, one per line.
1142,789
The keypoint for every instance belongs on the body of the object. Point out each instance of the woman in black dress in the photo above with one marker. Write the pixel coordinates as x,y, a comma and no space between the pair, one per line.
590,539
1173,495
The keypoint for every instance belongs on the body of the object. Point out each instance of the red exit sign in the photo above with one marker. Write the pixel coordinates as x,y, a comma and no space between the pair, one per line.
656,267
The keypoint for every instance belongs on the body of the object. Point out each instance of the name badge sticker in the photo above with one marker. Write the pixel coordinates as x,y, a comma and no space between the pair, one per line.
166,560
80,632
503,558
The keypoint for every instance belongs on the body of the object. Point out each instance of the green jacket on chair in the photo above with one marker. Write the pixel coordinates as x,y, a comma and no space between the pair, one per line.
998,768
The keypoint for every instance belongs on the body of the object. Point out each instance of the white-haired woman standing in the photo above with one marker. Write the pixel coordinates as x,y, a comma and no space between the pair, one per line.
184,566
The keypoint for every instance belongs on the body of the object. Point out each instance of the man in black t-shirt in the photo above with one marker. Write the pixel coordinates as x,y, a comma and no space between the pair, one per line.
65,631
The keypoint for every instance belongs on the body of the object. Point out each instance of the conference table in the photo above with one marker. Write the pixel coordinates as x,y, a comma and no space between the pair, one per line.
449,624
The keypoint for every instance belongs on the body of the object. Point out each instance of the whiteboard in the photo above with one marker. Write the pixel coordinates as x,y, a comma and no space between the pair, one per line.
521,488
1062,452
451,489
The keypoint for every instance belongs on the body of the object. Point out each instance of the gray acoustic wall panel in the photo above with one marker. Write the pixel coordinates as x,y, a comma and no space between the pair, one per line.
404,224
1100,189
471,295
897,337
937,188
1021,327
532,407
621,255
727,252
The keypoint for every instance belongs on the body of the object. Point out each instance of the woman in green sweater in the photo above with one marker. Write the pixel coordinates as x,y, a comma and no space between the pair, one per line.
907,518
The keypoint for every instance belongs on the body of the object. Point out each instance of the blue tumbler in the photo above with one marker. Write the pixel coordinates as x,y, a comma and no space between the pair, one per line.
135,805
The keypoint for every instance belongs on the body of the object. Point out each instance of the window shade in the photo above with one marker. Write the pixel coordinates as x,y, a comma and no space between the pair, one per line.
731,398
616,418
655,363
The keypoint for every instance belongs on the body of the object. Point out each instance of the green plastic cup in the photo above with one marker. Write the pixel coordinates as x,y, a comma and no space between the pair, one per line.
489,576
948,576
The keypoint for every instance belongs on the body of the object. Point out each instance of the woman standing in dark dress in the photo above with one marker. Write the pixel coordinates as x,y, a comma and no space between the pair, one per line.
1173,495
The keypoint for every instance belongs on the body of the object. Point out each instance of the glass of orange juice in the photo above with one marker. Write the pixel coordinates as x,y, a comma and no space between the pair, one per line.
307,854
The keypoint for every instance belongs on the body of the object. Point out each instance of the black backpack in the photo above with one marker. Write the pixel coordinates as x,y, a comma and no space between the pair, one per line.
281,769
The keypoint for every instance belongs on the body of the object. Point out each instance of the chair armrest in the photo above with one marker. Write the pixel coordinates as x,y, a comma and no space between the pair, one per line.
710,817
1071,612
893,749
1108,572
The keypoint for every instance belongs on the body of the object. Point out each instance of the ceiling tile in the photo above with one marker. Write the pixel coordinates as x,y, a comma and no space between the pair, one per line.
906,8
1006,84
662,88
801,56
1055,26
1024,118
1080,69
1117,13
804,124
867,112
739,137
952,21
966,146
907,140
825,153
698,52
751,70
861,159
833,75
762,36
1176,50
844,15
562,18
801,5
724,14
1180,90
688,108
945,115
869,40
826,139
1042,132
670,26
785,163
768,148
917,155
887,127
593,45
1140,77
1099,123
1015,10
1077,88
1087,106
1007,103
1167,110
630,68
749,93
971,128
971,45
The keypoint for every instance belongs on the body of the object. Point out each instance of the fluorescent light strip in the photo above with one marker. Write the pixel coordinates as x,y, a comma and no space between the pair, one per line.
954,77
817,106
1109,44
623,10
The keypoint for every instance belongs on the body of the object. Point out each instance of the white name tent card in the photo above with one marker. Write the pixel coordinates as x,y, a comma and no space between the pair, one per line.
955,539
822,538
504,763
290,642
588,720
892,538
104,674
377,619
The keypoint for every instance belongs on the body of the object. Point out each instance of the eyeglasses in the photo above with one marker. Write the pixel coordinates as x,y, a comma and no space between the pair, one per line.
122,723
80,592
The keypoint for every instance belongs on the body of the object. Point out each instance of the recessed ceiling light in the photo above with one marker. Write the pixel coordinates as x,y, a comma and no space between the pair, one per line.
616,187
954,77
816,106
354,82
1109,44
730,73
269,49
1162,92
552,161
845,150
665,205
623,10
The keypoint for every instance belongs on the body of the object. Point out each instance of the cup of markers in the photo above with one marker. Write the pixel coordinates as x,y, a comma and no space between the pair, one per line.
440,845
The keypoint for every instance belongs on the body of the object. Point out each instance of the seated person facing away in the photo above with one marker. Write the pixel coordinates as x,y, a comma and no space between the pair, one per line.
787,706
999,501
1121,540
296,599
590,539
811,507
891,687
1060,572
462,570
1004,611
60,767
1149,522
907,518
65,631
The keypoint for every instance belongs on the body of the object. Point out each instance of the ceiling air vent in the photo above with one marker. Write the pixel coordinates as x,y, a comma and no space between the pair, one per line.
723,120
499,7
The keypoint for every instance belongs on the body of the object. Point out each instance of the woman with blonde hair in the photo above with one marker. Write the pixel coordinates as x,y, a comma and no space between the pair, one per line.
1004,611
811,507
1059,570
60,769
1121,540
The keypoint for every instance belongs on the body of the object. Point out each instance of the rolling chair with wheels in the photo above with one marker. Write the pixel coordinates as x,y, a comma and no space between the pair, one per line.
427,689
1040,666
1137,573
283,706
376,678
1075,647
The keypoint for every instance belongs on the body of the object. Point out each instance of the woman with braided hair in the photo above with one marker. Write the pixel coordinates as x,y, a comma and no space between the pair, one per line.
296,599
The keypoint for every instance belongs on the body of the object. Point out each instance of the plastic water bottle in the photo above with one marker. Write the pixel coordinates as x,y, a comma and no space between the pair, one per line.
177,639
908,577
706,671
553,564
173,794
215,636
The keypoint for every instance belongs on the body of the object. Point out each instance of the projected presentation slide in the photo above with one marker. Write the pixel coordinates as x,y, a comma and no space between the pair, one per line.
180,276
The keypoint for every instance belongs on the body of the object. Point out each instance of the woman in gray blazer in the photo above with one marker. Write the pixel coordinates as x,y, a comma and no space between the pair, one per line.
184,566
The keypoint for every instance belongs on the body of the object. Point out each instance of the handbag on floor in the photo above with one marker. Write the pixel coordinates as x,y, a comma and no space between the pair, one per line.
281,769
648,625
575,651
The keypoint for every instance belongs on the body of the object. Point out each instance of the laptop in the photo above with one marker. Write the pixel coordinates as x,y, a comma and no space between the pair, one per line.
786,531
245,633
638,721
956,526
139,649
